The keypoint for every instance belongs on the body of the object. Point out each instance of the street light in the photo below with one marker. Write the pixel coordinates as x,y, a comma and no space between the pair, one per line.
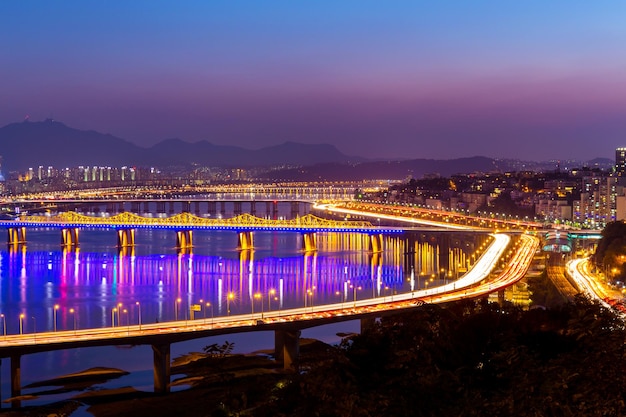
178,300
21,323
207,306
230,296
310,295
72,313
118,310
4,326
354,288
139,313
269,299
258,296
54,313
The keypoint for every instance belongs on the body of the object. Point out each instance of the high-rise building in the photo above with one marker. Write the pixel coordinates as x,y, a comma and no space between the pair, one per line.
620,162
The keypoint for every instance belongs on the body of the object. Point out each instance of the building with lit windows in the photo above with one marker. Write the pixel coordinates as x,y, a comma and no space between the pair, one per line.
620,162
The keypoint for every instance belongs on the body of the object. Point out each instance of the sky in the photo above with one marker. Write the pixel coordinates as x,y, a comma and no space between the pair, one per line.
529,79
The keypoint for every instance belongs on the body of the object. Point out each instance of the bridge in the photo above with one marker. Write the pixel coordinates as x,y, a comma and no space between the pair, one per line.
480,281
424,217
185,223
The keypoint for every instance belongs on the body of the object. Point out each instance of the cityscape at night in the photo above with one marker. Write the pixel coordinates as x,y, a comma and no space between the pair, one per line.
312,209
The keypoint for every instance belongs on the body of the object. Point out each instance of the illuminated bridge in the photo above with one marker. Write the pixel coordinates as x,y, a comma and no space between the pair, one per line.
480,281
185,223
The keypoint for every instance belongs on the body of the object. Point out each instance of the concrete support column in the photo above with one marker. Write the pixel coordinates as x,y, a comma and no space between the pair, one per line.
287,347
253,208
237,208
223,208
295,209
184,239
186,206
135,207
69,236
196,205
501,298
246,241
171,204
309,242
376,242
125,238
16,235
16,379
367,324
444,254
212,210
161,365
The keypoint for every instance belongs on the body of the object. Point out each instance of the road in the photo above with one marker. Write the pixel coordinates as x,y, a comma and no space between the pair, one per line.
594,287
479,281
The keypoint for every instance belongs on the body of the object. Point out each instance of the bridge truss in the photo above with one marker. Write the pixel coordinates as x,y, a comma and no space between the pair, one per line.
188,220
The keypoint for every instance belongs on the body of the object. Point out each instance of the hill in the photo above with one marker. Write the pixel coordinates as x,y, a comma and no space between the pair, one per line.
52,143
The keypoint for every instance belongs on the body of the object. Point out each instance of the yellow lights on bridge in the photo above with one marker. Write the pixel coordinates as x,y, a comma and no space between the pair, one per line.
187,219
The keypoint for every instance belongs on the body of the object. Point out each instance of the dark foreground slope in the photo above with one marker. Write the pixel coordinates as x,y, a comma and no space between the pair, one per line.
470,359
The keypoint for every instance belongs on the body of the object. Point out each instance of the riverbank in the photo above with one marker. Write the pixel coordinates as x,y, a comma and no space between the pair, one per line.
212,381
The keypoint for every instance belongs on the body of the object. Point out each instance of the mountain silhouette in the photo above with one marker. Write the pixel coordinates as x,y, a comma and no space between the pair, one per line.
51,143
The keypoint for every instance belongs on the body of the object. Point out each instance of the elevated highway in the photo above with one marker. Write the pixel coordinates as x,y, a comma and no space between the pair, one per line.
286,324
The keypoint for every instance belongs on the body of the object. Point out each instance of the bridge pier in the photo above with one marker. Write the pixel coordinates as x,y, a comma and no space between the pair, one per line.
16,379
160,207
376,242
223,208
197,208
171,208
253,208
212,208
501,298
16,235
184,239
287,348
237,208
135,207
125,238
161,366
186,206
309,242
246,240
367,324
295,209
69,236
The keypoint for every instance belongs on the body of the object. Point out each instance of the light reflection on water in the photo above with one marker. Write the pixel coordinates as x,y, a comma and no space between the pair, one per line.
103,286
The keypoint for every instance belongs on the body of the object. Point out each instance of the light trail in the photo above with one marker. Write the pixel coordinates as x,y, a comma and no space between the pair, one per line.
405,219
463,288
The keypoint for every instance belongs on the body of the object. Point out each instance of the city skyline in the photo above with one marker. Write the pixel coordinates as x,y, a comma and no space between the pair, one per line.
412,80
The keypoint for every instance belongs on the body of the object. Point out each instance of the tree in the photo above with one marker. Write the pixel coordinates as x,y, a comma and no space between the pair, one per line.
610,254
471,359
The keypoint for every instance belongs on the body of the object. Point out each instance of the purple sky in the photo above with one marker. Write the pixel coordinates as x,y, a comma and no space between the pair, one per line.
412,79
